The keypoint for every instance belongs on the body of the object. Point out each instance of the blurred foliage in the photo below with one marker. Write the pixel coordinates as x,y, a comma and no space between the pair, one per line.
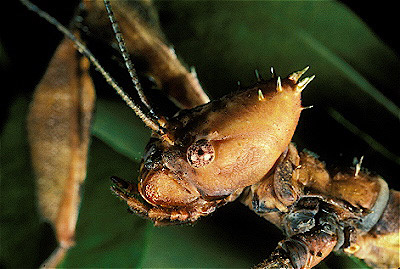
225,41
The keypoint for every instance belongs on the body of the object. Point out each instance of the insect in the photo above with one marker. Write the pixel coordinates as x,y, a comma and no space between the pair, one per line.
212,197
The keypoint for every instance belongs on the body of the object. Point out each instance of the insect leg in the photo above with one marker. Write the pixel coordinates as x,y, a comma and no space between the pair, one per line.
307,249
284,183
276,191
144,39
58,130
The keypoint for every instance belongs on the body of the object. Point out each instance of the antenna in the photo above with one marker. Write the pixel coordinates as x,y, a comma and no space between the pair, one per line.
150,120
125,55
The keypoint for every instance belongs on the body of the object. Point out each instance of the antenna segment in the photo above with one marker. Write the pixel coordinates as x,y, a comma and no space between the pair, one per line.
125,55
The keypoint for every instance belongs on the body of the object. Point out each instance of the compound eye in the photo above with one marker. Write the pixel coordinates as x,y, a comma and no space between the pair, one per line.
200,153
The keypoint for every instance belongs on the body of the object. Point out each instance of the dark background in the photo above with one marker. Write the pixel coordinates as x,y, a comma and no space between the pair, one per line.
19,38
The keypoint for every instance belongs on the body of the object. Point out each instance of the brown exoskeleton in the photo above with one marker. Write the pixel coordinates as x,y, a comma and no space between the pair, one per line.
239,146
215,150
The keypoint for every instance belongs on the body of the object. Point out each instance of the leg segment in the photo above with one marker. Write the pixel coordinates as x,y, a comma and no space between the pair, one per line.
304,250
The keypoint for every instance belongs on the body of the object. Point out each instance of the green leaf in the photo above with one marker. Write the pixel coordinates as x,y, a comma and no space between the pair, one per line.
118,126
